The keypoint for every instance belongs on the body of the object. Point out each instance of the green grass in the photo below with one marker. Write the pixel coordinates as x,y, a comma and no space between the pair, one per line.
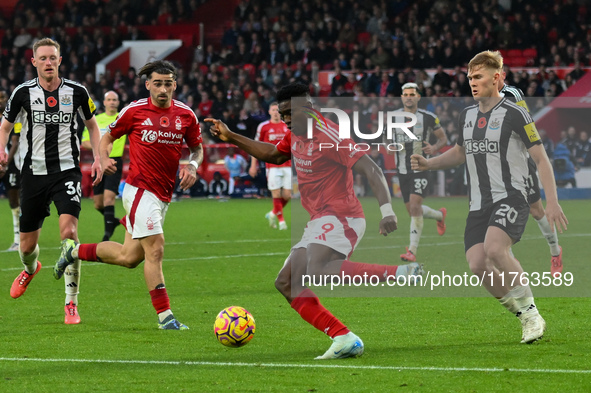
221,254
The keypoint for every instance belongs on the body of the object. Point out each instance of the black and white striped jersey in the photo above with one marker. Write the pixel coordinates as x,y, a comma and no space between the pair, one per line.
515,94
49,143
427,122
496,146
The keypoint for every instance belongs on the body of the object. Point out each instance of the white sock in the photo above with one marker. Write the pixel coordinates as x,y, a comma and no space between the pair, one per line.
162,316
523,299
30,261
508,302
75,251
72,282
432,213
16,212
416,228
550,235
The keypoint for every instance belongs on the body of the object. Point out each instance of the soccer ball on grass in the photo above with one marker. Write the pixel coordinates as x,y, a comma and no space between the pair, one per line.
234,326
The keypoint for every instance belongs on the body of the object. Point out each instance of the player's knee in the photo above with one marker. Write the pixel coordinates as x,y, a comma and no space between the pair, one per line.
537,212
494,253
478,268
131,262
155,254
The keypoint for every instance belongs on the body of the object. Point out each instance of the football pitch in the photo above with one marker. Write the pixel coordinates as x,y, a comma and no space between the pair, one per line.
220,254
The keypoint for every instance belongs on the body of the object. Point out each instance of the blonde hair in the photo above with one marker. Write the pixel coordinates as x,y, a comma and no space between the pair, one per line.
487,59
45,42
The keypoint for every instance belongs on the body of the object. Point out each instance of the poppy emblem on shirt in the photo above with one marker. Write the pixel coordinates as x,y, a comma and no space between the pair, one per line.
164,122
51,102
482,122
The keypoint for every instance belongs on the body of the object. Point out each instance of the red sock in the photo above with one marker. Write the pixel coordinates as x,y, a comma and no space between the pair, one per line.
359,269
284,202
87,252
278,208
308,306
160,300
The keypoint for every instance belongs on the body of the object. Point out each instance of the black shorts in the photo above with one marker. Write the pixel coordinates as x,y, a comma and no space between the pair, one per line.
532,186
110,182
12,178
413,183
38,191
509,214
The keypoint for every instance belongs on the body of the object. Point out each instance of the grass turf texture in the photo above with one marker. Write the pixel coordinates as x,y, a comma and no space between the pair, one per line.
221,254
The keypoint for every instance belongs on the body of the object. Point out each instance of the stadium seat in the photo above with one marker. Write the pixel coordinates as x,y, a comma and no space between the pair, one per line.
364,37
187,39
531,52
514,53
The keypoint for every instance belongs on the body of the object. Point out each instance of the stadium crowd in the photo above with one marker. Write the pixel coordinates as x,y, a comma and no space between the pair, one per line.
373,47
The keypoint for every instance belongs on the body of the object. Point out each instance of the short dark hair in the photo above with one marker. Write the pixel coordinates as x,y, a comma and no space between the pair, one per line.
160,67
292,90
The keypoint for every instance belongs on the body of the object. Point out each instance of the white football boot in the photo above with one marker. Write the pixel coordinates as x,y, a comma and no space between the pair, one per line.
345,346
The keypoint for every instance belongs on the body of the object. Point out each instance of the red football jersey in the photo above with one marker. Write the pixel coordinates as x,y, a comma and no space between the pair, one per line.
155,141
325,178
272,133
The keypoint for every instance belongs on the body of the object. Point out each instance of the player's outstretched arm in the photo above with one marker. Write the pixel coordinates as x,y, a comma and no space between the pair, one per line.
450,159
263,151
554,212
366,166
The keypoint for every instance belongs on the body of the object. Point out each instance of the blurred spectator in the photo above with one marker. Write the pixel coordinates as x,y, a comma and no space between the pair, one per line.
564,169
582,151
236,166
218,186
547,143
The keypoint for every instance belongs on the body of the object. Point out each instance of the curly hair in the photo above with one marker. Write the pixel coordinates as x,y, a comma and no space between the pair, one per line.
160,67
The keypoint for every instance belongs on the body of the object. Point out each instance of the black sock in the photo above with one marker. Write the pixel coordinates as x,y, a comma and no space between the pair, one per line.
101,210
109,220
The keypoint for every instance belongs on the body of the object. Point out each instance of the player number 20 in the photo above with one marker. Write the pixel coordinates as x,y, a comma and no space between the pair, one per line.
507,211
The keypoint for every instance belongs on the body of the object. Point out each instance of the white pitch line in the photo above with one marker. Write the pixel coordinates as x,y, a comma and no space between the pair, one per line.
295,365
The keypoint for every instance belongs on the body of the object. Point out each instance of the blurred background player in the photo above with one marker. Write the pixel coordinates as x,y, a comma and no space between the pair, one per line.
47,107
413,184
105,193
496,139
236,166
337,221
149,185
278,176
10,175
534,197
